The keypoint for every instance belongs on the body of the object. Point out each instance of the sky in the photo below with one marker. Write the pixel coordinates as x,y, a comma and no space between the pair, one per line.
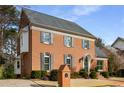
105,22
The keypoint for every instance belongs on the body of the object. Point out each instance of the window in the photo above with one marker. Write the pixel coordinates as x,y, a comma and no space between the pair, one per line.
86,44
46,37
47,61
21,40
68,41
100,65
18,65
68,60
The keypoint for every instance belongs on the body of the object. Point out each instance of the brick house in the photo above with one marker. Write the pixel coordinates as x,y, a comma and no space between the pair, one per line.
46,42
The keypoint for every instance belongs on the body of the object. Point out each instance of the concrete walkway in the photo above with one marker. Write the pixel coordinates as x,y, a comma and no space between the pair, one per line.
17,83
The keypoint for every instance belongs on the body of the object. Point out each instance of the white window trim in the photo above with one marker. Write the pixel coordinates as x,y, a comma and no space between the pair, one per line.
49,62
71,41
68,57
103,65
84,46
43,40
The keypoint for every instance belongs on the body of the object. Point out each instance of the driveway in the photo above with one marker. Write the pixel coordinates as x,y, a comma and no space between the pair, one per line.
17,83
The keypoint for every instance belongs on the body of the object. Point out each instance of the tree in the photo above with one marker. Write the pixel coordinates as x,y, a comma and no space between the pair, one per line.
8,30
99,43
111,62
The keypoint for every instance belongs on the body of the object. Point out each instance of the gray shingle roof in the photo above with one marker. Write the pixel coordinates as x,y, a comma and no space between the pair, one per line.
44,20
100,53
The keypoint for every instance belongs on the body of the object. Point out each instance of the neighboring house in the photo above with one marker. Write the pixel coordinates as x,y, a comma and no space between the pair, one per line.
46,42
119,46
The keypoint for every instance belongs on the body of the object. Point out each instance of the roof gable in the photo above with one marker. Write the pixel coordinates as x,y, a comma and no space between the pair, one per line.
51,22
119,43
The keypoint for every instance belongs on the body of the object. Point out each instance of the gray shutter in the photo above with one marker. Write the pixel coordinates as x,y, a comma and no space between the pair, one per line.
65,59
83,43
41,37
72,42
89,44
52,62
42,61
73,61
52,38
64,40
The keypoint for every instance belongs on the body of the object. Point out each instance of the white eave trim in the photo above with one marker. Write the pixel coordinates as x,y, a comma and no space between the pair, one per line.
60,33
101,58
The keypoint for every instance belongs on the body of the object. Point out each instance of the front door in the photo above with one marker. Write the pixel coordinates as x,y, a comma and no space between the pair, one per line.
86,64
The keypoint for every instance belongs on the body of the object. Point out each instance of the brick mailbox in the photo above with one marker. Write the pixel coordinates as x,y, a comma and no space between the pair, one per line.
64,76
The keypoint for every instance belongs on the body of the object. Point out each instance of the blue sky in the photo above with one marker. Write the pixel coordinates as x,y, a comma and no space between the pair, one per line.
106,22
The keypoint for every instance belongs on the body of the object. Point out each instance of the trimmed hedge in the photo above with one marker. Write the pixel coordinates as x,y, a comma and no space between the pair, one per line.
38,74
83,73
93,75
43,74
54,75
105,74
75,75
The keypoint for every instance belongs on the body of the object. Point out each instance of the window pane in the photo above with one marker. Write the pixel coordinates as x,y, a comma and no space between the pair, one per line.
68,60
47,62
68,41
47,37
86,44
18,65
46,66
100,64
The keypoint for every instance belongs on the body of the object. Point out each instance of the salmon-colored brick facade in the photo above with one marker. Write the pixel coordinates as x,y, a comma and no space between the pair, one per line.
31,60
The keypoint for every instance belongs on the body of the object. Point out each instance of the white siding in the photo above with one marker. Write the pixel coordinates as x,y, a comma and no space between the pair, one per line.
119,44
17,70
24,41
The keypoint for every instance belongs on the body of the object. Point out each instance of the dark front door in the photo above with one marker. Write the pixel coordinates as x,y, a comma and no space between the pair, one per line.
86,65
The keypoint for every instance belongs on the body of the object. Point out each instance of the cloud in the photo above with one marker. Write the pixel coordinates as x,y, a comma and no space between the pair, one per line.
85,10
75,12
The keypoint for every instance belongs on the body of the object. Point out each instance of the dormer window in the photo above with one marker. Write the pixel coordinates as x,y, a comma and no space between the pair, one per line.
68,41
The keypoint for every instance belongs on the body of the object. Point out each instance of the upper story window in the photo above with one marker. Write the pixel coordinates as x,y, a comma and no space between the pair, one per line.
86,44
100,65
68,41
46,37
68,60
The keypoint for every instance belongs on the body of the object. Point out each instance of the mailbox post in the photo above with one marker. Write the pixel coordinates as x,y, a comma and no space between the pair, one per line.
64,76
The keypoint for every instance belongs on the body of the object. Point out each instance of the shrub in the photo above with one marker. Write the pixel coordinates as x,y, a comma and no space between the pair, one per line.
9,71
83,73
54,75
75,75
93,75
43,74
36,74
112,74
1,72
105,74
